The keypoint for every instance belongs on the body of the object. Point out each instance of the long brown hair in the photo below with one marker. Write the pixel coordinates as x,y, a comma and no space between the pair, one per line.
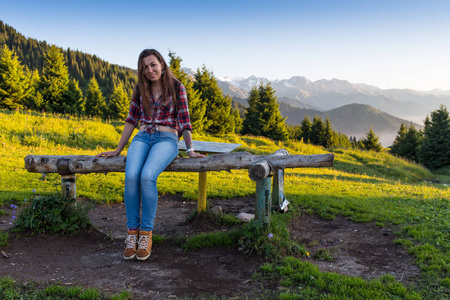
144,86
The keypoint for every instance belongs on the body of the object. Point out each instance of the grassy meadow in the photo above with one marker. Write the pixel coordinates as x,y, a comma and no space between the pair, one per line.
362,186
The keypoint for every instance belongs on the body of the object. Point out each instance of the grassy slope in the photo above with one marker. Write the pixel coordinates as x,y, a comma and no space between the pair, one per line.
363,186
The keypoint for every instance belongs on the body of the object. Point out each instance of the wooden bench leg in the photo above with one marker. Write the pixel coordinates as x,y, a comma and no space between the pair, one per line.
201,200
69,186
278,188
263,204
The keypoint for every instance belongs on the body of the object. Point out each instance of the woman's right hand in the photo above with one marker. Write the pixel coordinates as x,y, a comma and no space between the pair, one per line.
126,133
109,154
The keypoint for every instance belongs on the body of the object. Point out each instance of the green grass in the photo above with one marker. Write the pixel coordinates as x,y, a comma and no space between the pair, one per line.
212,239
362,186
4,236
302,280
10,290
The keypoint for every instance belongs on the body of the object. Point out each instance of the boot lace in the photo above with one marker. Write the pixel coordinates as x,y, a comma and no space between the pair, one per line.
143,241
131,241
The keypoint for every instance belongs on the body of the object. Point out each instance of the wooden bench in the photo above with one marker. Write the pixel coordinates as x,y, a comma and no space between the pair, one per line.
261,168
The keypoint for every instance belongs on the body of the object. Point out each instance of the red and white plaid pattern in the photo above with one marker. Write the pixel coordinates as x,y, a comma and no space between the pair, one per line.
163,112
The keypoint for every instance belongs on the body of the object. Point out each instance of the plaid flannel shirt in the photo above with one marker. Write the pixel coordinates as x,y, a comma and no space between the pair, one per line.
164,113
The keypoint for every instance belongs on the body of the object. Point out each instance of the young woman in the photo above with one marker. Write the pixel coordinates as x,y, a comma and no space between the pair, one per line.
159,104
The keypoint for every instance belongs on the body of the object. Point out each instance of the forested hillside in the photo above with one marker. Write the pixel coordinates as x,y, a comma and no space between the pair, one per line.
351,119
82,67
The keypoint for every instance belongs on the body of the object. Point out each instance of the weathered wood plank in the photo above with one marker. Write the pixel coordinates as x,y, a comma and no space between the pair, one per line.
209,147
84,164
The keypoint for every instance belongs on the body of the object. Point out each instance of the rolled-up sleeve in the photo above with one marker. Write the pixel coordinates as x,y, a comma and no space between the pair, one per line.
183,119
134,112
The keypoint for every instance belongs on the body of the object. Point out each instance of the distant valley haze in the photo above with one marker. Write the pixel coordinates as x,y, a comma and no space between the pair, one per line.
352,107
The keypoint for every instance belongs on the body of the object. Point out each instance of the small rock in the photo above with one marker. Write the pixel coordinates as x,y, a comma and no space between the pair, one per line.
245,217
216,210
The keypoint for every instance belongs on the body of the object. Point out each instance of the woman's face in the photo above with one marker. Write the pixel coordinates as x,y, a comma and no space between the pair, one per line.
153,68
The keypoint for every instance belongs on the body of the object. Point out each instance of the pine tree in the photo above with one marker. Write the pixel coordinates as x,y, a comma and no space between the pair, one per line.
317,130
399,138
237,120
218,107
197,107
273,123
263,115
305,127
371,141
434,150
74,101
295,132
95,102
426,123
251,123
54,81
119,103
14,83
328,135
175,67
406,143
31,53
411,143
34,100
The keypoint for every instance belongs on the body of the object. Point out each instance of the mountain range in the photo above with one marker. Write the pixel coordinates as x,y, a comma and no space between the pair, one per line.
351,107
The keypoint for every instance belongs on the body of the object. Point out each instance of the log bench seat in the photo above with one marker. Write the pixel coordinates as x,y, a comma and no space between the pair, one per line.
219,158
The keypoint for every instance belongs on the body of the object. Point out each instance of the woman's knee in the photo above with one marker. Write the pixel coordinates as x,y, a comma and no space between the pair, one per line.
148,178
132,178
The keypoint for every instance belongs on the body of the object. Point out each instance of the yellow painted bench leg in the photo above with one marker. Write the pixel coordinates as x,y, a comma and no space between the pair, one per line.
201,201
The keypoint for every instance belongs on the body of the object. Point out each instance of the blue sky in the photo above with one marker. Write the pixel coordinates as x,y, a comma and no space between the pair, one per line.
389,44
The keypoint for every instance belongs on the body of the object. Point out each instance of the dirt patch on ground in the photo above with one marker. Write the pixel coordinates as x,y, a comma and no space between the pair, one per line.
355,249
94,258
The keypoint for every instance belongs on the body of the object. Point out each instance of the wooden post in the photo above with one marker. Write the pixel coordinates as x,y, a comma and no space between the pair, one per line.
278,188
201,200
69,186
263,201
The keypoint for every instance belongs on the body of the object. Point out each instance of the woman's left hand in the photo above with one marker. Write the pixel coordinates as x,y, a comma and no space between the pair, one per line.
193,154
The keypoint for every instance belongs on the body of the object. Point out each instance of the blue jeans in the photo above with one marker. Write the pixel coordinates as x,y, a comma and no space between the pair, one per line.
147,157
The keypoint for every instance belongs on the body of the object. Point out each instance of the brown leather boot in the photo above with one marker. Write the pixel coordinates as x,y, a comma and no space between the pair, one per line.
144,245
131,241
